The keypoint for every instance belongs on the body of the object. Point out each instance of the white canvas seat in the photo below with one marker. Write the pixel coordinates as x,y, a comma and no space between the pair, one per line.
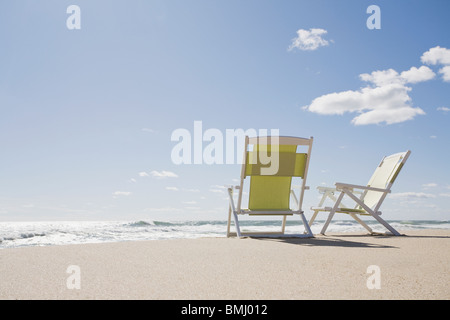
368,198
270,191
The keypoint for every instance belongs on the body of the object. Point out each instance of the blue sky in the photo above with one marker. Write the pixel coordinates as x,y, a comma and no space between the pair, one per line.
86,115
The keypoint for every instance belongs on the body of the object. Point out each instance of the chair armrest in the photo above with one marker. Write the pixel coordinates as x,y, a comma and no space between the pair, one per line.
332,190
299,187
324,189
340,186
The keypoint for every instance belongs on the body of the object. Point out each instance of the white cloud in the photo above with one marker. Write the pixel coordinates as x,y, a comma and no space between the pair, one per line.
148,130
445,71
415,75
163,174
381,77
143,174
436,55
385,99
390,76
309,39
172,188
389,103
121,193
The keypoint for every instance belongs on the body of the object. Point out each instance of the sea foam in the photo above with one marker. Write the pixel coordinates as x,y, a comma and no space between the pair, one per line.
20,234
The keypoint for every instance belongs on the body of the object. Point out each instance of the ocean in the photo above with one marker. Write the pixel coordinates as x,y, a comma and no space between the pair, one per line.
23,234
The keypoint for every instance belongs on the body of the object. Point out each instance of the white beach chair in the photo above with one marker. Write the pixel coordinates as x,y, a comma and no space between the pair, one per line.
368,198
270,190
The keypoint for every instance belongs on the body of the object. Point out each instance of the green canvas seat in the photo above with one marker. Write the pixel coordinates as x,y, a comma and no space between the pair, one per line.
271,165
368,198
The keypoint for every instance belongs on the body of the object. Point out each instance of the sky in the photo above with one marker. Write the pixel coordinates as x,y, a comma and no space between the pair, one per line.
89,101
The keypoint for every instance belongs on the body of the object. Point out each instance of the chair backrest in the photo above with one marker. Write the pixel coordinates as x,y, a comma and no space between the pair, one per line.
384,177
271,165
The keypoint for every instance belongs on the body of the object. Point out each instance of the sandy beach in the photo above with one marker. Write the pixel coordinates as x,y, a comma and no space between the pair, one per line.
336,266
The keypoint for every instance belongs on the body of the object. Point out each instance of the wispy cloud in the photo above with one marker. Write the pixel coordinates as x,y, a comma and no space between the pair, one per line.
163,174
217,190
217,186
444,109
121,193
163,209
143,174
172,188
430,185
412,195
309,40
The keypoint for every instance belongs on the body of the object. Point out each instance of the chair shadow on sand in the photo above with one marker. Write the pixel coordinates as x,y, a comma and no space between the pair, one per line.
330,242
340,241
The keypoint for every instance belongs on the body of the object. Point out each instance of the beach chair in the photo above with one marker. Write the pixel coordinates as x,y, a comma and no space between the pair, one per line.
368,198
271,165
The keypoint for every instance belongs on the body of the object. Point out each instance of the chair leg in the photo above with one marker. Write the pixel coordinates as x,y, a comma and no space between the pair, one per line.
354,216
229,222
332,212
313,218
283,225
325,226
307,228
385,224
236,224
232,209
326,194
373,214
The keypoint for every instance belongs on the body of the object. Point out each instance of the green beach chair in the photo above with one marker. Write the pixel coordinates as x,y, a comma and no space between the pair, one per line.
368,198
271,163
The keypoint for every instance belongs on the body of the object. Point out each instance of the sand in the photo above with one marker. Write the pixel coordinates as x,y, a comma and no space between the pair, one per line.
336,266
